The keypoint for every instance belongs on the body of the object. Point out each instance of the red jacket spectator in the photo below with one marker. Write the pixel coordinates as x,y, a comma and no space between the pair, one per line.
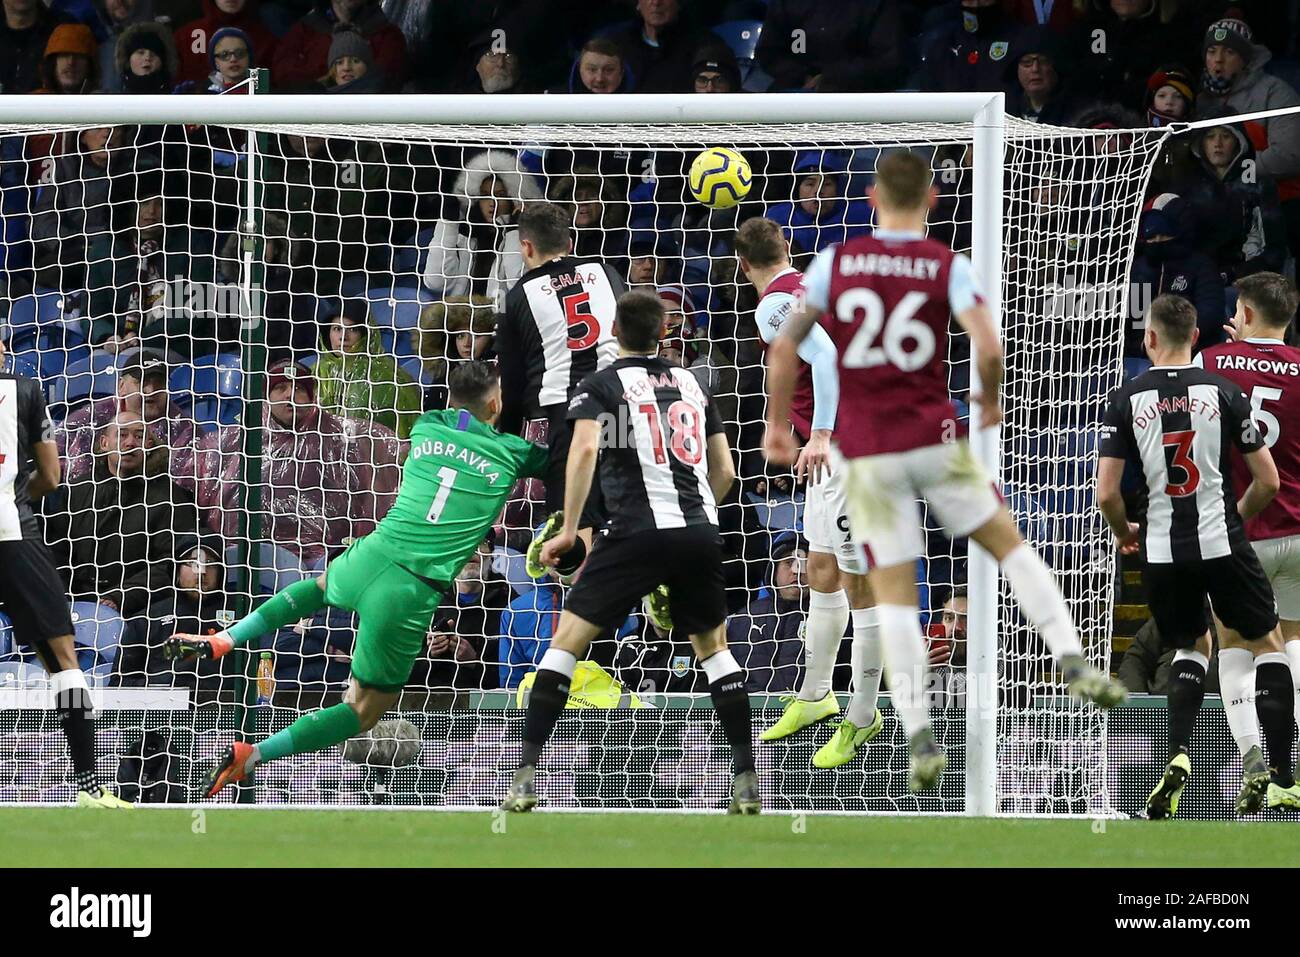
302,61
193,38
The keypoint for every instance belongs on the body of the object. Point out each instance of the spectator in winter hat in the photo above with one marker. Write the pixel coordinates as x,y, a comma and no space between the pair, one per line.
1235,82
821,213
194,40
716,70
302,59
496,71
112,19
1170,96
352,63
231,55
146,59
71,63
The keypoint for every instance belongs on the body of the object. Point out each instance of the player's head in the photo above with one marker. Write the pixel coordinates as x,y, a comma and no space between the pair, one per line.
761,245
1266,304
904,185
1171,327
544,233
476,386
639,322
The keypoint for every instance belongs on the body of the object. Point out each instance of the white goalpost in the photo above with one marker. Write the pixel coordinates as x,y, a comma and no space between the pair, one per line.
310,204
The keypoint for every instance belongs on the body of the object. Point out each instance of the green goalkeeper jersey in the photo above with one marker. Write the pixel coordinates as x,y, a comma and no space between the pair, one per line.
454,484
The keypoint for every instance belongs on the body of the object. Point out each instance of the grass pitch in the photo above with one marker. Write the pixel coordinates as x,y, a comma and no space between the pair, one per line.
73,837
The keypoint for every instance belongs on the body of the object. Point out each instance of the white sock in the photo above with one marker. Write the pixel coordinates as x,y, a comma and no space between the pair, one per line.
1237,686
900,636
828,619
719,664
1293,656
868,658
253,759
1040,599
553,659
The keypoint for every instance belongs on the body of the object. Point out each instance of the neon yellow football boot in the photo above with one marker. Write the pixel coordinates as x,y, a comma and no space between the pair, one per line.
1163,801
1279,796
533,557
800,714
105,798
844,744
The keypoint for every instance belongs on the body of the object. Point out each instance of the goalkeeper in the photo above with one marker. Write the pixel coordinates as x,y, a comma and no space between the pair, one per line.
454,483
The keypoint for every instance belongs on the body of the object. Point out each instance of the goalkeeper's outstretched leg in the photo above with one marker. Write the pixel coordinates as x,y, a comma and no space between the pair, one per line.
359,711
384,653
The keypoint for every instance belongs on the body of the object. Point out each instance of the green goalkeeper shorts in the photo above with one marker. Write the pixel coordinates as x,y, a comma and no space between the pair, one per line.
396,607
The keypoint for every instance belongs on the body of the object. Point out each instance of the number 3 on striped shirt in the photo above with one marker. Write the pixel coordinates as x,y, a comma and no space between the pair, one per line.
1181,443
446,479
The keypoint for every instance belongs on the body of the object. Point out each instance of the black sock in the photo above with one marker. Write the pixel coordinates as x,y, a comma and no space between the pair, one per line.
79,729
1186,691
731,704
545,704
1274,697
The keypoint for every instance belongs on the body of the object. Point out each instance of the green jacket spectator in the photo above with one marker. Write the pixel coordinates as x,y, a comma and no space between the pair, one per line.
356,378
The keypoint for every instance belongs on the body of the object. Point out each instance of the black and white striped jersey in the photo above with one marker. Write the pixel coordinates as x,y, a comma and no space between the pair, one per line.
24,421
1179,423
558,328
655,421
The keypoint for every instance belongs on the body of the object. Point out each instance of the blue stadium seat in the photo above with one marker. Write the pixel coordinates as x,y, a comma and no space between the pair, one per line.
742,37
409,257
42,308
92,377
211,387
21,365
398,307
97,636
310,361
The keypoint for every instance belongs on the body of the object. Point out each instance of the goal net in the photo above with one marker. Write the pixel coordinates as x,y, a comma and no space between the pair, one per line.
159,274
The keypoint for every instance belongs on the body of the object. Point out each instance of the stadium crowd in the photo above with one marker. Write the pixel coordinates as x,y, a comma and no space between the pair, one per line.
385,264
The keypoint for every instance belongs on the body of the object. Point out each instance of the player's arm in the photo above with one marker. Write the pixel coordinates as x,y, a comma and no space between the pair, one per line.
45,450
48,471
819,352
586,412
1264,483
722,470
579,470
1115,449
1110,472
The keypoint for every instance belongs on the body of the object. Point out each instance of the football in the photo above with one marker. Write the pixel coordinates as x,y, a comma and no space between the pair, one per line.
720,178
